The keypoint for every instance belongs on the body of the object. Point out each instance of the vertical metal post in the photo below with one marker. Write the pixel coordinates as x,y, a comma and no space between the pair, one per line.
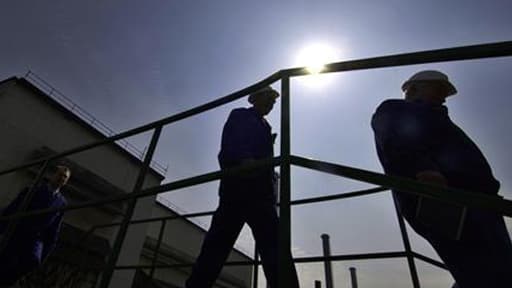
284,206
353,277
255,267
123,228
157,248
11,226
318,284
407,246
82,263
82,273
327,263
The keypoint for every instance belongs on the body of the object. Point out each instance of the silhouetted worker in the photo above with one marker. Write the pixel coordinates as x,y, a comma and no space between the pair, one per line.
416,139
34,237
247,198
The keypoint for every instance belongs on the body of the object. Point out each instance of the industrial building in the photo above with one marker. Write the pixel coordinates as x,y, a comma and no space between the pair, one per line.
35,123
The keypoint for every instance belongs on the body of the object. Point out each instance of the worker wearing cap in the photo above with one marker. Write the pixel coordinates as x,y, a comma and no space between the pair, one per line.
416,139
244,198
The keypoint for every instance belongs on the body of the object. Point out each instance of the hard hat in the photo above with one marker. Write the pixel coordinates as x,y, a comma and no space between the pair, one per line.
431,75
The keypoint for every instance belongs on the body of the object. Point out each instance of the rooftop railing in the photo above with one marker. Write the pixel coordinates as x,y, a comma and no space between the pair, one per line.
90,119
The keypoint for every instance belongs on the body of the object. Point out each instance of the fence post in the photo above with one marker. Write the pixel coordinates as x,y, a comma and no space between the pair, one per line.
157,248
123,229
255,267
284,206
407,246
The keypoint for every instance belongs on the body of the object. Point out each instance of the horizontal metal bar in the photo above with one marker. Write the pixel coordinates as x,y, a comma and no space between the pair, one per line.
364,256
295,202
460,197
450,195
314,259
499,49
339,196
208,213
430,260
162,122
196,180
140,221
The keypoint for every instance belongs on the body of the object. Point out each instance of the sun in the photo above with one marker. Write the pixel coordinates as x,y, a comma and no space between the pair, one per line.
314,57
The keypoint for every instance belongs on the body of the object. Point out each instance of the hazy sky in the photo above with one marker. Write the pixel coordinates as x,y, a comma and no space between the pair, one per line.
132,62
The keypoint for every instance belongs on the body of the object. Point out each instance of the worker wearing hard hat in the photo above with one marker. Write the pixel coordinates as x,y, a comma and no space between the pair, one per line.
416,139
244,198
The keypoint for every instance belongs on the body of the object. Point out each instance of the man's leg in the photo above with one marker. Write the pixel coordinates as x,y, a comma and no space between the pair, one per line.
502,250
8,273
483,256
264,224
14,267
220,238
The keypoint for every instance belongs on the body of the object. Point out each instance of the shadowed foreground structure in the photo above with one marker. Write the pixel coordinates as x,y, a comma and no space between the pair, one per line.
284,161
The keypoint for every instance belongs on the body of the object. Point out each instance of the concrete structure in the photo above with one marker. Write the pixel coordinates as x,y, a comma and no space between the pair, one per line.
35,125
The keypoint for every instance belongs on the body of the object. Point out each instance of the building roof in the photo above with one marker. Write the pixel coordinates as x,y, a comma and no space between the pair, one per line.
70,114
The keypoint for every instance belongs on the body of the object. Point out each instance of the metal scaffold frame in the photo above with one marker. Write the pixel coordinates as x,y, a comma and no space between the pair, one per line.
284,161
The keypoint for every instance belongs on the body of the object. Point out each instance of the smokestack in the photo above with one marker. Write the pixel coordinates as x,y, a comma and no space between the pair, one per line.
353,277
327,263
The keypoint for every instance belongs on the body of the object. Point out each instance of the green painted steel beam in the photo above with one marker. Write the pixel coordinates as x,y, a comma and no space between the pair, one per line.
450,195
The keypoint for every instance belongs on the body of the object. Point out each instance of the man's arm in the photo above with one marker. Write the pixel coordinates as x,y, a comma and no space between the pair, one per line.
13,206
431,176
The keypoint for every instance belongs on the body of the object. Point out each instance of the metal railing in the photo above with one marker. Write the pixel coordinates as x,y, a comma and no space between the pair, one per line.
284,161
90,119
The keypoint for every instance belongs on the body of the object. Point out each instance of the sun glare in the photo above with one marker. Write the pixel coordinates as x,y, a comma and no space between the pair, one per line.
314,57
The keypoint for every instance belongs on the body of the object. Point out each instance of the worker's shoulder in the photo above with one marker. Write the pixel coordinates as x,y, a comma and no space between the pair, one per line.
395,107
390,110
391,104
240,112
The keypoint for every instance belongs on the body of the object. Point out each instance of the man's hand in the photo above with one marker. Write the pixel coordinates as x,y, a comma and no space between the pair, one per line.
432,177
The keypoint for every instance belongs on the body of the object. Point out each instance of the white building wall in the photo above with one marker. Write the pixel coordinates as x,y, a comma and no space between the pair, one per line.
30,121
